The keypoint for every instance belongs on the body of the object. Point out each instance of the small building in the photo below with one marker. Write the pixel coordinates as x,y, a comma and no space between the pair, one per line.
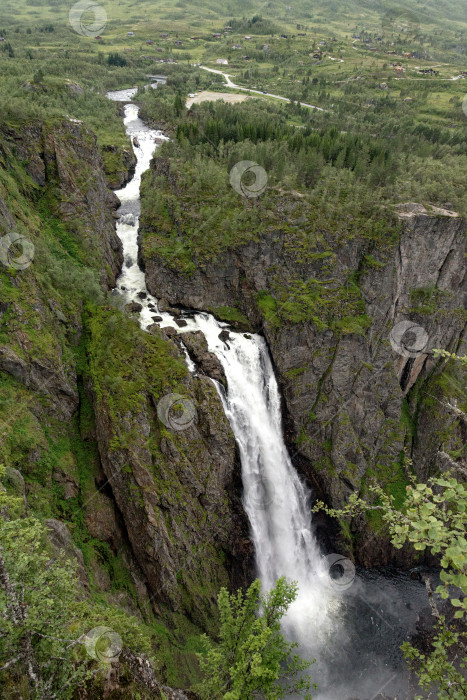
222,62
149,42
248,38
301,34
217,35
237,46
227,29
2,38
284,36
97,38
178,43
383,86
164,35
194,38
130,33
266,47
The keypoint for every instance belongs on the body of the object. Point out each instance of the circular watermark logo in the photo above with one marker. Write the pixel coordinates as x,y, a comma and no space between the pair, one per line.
87,18
16,251
261,493
401,19
408,339
464,105
176,412
341,571
103,644
248,178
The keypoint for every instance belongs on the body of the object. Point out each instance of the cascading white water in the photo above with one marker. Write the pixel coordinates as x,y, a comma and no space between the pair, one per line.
275,499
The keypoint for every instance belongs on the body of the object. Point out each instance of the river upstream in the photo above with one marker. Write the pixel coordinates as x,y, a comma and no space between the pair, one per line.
353,625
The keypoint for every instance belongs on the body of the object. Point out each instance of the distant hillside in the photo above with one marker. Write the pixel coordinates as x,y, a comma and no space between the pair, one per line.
444,13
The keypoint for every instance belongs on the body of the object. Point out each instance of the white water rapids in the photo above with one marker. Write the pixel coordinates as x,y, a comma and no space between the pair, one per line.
276,501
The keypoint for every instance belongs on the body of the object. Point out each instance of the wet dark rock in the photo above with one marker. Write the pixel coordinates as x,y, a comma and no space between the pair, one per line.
163,305
224,336
181,323
206,361
134,307
157,319
142,295
169,332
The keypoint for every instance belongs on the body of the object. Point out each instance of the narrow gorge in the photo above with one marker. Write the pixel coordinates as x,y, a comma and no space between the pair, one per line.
233,350
276,500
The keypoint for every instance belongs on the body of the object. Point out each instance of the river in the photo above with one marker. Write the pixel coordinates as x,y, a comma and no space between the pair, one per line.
353,626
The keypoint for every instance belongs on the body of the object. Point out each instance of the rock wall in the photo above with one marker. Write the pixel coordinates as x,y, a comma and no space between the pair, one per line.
170,458
359,388
64,158
165,502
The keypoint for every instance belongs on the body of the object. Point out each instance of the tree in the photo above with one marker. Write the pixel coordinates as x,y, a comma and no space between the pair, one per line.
179,104
115,59
46,640
434,518
253,655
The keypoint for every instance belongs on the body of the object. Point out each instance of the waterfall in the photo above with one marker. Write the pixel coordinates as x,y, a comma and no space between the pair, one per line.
354,637
275,499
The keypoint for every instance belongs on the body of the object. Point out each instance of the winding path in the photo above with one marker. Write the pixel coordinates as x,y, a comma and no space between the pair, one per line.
258,92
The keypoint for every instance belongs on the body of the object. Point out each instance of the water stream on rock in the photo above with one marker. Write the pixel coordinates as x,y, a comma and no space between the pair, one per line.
335,626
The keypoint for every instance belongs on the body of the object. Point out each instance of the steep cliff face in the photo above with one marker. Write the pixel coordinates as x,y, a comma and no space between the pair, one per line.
169,455
351,326
53,192
150,513
63,158
64,207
